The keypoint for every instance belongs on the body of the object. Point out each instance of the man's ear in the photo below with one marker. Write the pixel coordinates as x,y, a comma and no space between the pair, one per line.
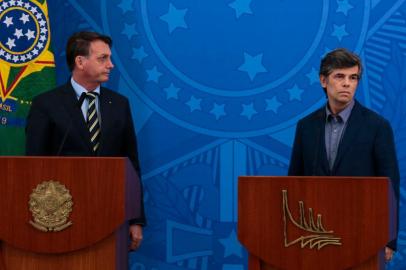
79,62
323,81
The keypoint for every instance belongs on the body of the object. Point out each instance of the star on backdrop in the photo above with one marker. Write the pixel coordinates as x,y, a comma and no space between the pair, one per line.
175,18
153,74
272,105
218,110
252,65
295,93
339,32
171,91
139,54
126,5
231,245
313,76
8,21
241,7
248,110
129,30
194,104
343,6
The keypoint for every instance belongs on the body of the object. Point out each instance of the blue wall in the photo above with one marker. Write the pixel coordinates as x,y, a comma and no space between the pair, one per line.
216,89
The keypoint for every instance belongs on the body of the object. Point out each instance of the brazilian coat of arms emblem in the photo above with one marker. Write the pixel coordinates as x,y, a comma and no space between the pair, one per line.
50,204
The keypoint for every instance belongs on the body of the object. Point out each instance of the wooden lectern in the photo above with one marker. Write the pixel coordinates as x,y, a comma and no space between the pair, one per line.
315,222
105,194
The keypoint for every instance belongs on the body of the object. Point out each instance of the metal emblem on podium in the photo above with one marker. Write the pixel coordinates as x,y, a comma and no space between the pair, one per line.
316,235
50,204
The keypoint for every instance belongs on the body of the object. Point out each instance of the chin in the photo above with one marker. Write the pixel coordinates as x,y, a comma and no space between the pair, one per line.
345,99
346,102
104,79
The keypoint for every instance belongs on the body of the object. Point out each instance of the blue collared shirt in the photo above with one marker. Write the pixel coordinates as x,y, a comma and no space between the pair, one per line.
79,90
334,130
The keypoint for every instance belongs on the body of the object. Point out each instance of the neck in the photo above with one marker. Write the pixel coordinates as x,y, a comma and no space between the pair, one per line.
336,108
89,86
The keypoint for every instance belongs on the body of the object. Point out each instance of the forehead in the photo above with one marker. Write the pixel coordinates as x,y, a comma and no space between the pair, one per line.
346,71
99,47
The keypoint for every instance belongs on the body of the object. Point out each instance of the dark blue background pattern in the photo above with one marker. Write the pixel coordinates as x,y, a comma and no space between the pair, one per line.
216,89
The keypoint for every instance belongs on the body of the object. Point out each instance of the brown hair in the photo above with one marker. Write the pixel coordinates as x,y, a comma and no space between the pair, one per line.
79,44
339,58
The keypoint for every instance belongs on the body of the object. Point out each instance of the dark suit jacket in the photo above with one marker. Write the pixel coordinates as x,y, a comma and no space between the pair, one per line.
367,148
57,113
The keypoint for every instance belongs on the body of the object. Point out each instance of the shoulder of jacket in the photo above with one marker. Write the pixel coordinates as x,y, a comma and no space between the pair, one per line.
370,115
112,94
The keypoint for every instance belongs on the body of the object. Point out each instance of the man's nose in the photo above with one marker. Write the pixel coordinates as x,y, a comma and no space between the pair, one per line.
110,64
346,81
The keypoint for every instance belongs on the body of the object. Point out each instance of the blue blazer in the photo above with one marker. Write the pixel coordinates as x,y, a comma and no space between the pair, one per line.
367,148
56,114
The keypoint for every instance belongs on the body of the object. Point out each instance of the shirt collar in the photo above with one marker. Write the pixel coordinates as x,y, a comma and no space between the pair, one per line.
344,114
80,89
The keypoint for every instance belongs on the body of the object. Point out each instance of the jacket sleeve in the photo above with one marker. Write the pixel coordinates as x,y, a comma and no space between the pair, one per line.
386,163
38,130
130,150
296,159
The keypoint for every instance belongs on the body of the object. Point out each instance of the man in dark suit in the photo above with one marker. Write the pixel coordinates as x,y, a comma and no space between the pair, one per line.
344,138
81,118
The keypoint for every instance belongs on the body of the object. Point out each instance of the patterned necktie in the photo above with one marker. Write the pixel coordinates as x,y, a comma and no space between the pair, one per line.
93,121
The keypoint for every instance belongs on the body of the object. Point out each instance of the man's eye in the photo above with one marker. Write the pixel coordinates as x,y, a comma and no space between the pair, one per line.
340,77
102,59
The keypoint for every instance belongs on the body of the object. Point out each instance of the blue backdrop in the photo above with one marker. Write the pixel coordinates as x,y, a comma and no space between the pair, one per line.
216,89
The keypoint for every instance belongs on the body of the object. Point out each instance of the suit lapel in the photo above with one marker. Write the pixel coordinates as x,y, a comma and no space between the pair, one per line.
350,134
71,104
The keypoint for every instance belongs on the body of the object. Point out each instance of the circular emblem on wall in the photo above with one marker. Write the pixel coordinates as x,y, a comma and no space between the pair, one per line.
237,68
24,31
50,204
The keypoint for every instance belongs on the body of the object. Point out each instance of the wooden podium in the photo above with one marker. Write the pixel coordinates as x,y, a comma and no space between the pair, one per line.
315,222
105,194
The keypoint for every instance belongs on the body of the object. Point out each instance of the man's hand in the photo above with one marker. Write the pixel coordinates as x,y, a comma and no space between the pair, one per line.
135,236
388,254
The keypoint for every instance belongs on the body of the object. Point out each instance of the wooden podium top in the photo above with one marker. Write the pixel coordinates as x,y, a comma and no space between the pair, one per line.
354,222
105,193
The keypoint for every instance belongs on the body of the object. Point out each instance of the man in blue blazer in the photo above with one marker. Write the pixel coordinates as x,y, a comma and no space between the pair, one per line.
344,138
58,122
